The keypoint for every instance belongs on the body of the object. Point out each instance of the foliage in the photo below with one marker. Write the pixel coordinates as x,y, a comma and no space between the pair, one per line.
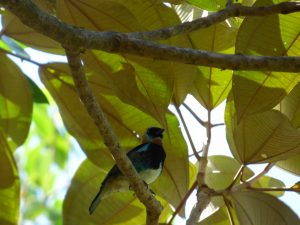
262,115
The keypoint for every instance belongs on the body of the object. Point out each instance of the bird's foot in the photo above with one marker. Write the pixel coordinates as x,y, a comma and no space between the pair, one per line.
147,186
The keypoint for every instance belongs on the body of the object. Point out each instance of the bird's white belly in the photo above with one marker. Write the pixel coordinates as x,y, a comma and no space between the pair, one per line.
150,175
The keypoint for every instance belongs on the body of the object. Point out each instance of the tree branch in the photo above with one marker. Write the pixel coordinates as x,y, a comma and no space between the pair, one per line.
232,10
272,189
78,38
204,192
110,139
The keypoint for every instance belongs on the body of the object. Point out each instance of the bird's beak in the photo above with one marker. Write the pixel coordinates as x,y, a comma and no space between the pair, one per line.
161,131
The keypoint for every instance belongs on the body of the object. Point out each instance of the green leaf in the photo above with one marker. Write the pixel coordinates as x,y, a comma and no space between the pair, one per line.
14,46
221,170
220,217
291,164
169,77
290,106
274,35
15,102
9,185
14,28
262,209
211,5
296,187
118,208
38,95
264,137
212,85
269,182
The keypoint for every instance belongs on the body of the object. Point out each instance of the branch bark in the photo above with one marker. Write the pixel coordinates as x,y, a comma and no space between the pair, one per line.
78,38
110,139
232,10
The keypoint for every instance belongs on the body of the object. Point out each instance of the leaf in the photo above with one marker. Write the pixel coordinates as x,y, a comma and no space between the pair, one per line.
264,137
220,217
169,77
14,28
212,85
274,35
291,164
296,187
267,182
118,208
211,5
127,122
290,106
9,185
112,74
262,209
38,95
14,46
15,102
221,170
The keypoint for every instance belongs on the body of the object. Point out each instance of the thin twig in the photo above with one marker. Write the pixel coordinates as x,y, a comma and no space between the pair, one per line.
182,202
110,139
20,57
194,115
248,182
187,132
217,124
262,173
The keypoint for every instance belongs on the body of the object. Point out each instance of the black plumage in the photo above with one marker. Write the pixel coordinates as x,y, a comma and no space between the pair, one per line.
147,158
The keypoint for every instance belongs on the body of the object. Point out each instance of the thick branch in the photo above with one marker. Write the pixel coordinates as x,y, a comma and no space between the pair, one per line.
95,111
73,37
232,10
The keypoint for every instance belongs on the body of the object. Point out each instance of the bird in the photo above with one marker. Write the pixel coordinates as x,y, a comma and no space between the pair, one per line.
148,159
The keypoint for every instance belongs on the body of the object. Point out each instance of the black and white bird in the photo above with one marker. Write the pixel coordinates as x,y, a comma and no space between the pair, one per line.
147,158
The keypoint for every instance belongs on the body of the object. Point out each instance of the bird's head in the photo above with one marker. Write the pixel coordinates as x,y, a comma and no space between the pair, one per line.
153,135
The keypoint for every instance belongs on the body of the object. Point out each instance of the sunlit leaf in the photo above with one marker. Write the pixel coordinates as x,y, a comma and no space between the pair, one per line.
9,185
14,28
269,182
15,102
275,35
221,170
169,78
212,85
290,106
211,5
118,208
220,217
291,164
262,209
296,187
263,137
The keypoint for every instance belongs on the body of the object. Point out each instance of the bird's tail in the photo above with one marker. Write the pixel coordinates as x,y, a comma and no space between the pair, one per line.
95,202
